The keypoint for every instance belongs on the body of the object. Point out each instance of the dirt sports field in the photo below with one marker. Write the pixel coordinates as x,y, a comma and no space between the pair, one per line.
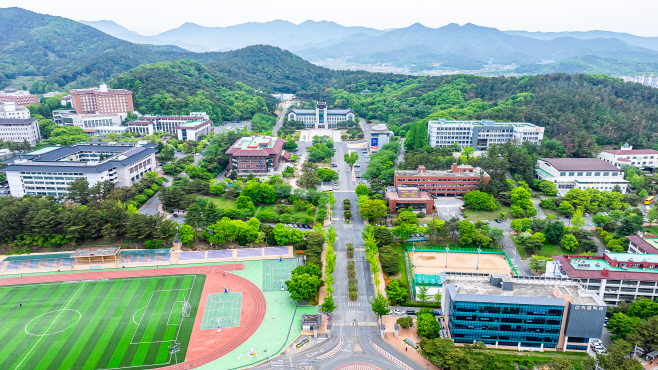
431,263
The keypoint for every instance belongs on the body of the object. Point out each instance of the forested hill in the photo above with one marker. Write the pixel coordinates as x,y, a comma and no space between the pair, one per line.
65,51
579,110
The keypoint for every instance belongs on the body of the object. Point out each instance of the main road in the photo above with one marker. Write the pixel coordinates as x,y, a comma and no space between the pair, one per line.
354,321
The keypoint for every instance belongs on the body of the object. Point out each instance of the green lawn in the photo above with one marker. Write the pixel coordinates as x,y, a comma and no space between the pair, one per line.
404,282
653,230
548,250
221,202
270,208
473,215
552,212
109,324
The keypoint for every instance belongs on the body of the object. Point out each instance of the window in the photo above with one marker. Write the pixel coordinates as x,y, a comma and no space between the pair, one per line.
606,174
571,173
563,173
580,173
597,173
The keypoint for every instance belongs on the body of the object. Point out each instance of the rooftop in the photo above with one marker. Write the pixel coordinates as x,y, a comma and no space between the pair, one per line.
482,123
631,151
592,268
256,146
434,173
408,194
192,124
580,164
540,294
17,121
95,252
648,243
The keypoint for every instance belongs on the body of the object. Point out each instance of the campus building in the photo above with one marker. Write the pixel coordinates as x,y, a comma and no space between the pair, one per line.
10,110
521,313
48,171
580,173
105,130
321,117
70,117
379,136
257,155
640,158
481,134
20,98
19,130
459,179
409,197
615,277
101,100
198,124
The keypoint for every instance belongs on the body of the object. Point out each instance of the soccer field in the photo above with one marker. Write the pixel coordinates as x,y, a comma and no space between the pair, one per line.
97,324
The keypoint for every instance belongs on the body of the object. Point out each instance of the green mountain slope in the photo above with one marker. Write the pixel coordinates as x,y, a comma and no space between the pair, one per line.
66,51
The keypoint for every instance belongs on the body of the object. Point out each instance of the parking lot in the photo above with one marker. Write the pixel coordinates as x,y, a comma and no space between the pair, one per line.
231,126
447,207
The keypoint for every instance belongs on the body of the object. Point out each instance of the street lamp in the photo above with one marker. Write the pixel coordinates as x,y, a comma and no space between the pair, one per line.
173,350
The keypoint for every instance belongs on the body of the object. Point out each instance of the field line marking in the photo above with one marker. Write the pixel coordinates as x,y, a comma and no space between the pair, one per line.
141,318
90,281
172,311
51,325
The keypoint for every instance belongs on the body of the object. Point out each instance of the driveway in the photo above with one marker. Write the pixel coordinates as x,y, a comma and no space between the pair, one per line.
448,207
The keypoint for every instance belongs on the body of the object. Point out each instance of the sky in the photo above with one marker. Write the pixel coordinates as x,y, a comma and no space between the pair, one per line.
150,17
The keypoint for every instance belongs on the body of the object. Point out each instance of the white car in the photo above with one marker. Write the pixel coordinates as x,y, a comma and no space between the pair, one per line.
398,312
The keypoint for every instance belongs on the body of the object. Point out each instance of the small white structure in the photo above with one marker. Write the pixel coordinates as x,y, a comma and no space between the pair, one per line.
640,158
580,173
380,135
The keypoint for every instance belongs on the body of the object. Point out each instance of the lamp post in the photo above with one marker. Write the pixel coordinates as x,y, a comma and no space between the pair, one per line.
173,350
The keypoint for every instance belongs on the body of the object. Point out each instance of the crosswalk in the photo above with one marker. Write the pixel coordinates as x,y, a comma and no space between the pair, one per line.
360,323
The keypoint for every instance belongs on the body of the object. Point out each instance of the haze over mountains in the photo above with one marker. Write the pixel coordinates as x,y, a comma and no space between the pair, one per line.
420,49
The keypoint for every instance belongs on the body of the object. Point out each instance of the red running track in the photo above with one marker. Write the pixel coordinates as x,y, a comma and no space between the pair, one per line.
205,346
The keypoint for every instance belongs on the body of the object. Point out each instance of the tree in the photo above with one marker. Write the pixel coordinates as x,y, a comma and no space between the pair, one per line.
396,293
539,237
372,209
351,158
652,215
601,220
416,137
290,145
480,200
384,236
186,234
427,325
561,364
406,217
244,202
362,189
328,305
643,308
554,232
566,208
621,324
618,357
569,243
404,231
78,191
577,222
303,286
379,305
537,263
422,293
405,322
468,151
521,197
548,188
327,174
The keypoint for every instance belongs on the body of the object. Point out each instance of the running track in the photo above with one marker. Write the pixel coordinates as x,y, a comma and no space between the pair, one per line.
214,274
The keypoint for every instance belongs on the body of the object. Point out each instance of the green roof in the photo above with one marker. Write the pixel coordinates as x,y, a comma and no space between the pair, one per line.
256,142
190,124
546,174
591,265
44,150
32,257
144,251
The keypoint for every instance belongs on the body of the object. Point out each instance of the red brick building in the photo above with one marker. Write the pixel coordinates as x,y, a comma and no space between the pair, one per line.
460,179
410,197
257,155
20,98
101,100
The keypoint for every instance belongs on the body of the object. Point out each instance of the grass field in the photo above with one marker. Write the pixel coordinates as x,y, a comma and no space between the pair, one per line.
98,324
221,202
482,215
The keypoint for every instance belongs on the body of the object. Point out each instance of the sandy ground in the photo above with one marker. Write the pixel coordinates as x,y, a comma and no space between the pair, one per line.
431,263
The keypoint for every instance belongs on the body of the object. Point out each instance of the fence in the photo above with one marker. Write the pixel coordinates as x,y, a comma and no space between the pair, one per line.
434,280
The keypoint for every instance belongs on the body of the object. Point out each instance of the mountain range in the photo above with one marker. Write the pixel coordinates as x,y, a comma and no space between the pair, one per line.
419,48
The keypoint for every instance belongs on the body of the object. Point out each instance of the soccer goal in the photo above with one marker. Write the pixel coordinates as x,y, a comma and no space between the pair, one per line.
187,308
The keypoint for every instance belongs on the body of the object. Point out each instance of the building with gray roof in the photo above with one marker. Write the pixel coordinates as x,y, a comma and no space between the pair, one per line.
580,173
321,117
19,130
48,171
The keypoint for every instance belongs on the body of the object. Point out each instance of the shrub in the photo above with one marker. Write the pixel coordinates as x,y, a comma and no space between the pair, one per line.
314,260
347,214
351,274
389,259
350,254
352,282
347,207
301,245
346,201
353,288
148,192
350,263
421,214
351,267
140,198
405,322
354,296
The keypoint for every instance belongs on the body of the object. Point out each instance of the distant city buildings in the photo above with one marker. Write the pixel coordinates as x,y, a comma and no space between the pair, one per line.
480,135
257,155
640,158
48,171
10,110
101,100
379,136
19,130
20,98
321,116
580,173
646,80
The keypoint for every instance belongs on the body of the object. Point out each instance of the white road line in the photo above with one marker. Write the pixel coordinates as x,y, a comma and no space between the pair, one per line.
51,325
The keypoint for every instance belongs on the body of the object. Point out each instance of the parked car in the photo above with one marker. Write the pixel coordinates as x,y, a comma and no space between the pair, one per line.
411,312
436,313
398,312
497,221
357,165
334,165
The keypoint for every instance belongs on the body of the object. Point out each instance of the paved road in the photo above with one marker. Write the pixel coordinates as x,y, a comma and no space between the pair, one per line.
283,106
347,312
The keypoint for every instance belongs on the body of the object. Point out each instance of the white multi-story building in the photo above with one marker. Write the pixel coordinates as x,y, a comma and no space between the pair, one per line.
481,134
105,130
19,130
646,80
321,117
10,110
580,173
86,121
640,158
149,124
48,171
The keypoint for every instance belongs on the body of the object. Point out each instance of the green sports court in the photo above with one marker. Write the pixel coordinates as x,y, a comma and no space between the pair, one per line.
126,323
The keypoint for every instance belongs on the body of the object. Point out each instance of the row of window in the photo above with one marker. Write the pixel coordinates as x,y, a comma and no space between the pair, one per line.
588,173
